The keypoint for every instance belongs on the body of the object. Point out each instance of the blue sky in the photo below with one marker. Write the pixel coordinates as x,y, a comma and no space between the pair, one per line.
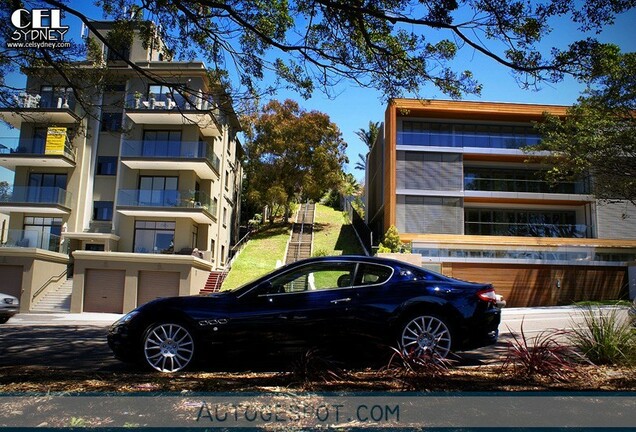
354,107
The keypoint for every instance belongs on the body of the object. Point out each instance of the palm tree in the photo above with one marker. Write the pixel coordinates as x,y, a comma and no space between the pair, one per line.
368,137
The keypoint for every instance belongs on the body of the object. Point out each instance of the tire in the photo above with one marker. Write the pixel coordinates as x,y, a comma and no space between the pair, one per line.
426,335
4,320
168,347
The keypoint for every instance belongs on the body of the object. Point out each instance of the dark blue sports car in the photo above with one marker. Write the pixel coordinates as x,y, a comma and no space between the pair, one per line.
349,301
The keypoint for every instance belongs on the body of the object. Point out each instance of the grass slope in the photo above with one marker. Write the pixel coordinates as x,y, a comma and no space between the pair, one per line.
334,234
259,255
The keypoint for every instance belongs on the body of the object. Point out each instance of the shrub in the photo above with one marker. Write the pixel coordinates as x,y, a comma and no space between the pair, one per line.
313,366
605,337
542,355
412,369
320,253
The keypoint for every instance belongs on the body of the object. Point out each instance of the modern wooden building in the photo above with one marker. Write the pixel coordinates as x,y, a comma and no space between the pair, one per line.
452,176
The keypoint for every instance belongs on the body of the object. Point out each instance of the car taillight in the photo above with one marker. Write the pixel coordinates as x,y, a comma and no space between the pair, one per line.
487,295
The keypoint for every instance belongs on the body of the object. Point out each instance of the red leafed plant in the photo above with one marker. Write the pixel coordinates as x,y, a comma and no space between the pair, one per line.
541,355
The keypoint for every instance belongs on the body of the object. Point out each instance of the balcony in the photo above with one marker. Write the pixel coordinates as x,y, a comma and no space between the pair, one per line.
36,200
195,156
195,205
525,185
456,137
174,110
43,107
527,229
35,239
15,152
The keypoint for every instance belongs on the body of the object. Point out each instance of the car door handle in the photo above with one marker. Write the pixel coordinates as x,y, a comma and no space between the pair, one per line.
343,300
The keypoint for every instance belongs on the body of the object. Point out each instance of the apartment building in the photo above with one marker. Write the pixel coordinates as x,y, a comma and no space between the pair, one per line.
453,178
134,197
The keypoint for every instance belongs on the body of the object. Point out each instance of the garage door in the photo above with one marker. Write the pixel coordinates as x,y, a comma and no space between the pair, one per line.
11,277
104,291
155,284
546,285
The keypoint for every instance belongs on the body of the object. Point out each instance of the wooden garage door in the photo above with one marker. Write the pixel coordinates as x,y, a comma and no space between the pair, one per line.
104,291
545,285
11,277
155,284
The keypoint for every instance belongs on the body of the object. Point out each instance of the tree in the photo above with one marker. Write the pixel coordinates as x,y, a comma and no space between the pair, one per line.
293,154
391,242
396,46
368,137
598,135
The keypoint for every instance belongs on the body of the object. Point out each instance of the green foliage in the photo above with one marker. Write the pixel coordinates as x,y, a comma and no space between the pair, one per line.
255,222
320,253
391,241
598,136
605,337
294,155
396,46
331,199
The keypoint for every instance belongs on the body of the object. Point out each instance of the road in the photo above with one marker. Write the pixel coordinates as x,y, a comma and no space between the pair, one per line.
78,341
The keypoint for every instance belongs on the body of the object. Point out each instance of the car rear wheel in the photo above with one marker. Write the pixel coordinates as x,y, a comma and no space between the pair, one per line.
168,347
426,336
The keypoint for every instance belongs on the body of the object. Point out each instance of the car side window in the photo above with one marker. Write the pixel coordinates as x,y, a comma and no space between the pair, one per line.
314,277
371,274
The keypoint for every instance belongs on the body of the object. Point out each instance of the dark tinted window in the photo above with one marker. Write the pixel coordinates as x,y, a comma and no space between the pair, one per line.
106,165
371,274
111,122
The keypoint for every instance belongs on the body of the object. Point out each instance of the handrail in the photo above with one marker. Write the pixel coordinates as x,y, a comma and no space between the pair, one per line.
47,283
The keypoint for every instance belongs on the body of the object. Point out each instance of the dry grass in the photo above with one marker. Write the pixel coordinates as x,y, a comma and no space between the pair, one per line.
464,378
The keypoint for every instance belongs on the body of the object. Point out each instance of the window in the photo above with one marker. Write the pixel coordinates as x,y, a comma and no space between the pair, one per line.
195,236
224,216
227,180
154,237
161,143
42,232
115,87
45,188
370,274
158,191
103,210
222,254
167,95
212,247
107,165
313,277
55,96
111,122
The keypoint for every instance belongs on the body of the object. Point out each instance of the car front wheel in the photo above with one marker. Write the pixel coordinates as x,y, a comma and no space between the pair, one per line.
426,336
168,347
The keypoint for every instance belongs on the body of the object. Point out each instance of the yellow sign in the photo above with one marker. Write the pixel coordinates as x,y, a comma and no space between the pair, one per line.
55,141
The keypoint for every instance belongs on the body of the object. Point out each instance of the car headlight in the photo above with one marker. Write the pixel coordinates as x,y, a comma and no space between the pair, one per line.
123,320
8,300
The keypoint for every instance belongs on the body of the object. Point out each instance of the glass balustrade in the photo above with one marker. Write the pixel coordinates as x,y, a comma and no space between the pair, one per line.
524,185
527,229
35,146
171,150
37,238
163,198
37,195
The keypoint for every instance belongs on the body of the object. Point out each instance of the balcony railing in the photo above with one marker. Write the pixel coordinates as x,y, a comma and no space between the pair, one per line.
169,102
43,100
34,146
34,239
37,195
460,140
172,150
166,199
527,229
532,186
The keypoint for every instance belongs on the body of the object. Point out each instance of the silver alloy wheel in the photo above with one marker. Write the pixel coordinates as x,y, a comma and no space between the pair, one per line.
168,347
426,335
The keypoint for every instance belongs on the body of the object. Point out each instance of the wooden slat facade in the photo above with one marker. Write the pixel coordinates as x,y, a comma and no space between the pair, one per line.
545,285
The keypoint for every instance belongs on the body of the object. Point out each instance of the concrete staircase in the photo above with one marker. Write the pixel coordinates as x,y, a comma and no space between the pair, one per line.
299,246
58,300
214,282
